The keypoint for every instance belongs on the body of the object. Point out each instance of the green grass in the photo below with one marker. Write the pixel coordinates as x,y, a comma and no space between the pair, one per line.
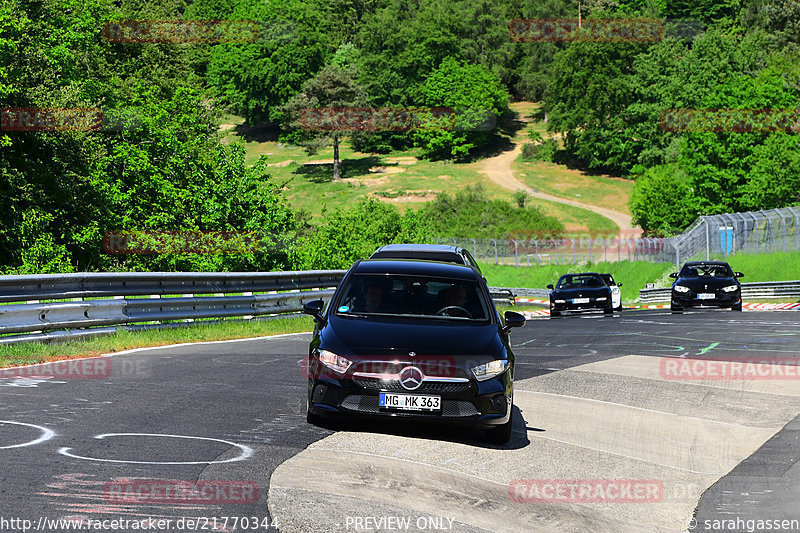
307,180
632,274
777,266
558,180
576,219
31,353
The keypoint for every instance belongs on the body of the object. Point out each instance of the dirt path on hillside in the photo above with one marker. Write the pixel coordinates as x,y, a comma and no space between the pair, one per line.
498,169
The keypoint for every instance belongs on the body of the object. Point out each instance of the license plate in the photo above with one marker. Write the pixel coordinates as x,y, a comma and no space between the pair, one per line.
580,300
410,402
706,296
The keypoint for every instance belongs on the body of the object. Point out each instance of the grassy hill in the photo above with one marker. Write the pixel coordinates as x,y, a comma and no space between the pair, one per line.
406,180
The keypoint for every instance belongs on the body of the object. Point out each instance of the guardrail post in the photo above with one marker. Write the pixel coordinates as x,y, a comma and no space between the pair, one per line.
516,253
495,251
708,239
796,226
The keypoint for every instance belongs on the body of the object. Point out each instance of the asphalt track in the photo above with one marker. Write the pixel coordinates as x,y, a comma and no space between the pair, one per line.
592,403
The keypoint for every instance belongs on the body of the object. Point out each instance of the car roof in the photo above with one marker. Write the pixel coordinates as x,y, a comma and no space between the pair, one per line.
438,252
697,263
413,267
580,274
418,247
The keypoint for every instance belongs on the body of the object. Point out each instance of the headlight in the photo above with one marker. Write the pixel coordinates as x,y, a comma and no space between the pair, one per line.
603,299
730,288
559,301
337,363
615,290
681,288
490,369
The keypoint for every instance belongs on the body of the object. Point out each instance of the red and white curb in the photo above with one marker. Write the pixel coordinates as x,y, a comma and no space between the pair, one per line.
772,307
748,306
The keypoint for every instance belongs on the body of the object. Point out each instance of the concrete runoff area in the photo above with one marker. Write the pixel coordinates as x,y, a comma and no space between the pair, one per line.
605,420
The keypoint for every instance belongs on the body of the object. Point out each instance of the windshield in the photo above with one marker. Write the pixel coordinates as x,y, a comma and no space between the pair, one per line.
608,279
412,296
580,281
706,271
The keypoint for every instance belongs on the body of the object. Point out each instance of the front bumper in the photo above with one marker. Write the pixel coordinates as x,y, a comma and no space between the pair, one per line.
592,304
481,404
721,299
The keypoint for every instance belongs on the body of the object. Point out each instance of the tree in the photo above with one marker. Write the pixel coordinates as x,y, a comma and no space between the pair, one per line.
320,109
661,201
477,98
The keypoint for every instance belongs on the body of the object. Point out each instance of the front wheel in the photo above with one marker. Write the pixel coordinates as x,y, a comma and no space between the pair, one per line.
499,434
312,418
736,307
555,313
608,311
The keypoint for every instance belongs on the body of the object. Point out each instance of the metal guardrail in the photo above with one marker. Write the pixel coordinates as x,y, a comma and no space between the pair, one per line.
104,302
106,299
763,289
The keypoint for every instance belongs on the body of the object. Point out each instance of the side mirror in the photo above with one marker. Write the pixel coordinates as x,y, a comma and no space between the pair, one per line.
314,308
619,284
674,275
513,319
738,274
550,286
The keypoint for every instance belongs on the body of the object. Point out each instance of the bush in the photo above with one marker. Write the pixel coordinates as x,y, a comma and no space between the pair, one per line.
545,151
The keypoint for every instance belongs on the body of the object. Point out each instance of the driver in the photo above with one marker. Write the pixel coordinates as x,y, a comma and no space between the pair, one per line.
455,296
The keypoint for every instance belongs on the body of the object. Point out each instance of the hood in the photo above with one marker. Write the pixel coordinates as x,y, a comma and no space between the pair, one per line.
583,292
705,283
388,337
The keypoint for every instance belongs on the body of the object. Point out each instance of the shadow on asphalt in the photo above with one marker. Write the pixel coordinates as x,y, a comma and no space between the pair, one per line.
433,431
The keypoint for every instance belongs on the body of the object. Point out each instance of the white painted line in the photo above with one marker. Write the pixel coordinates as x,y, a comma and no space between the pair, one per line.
246,453
132,350
47,434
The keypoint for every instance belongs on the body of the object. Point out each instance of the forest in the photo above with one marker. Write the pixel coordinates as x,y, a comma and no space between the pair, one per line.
154,160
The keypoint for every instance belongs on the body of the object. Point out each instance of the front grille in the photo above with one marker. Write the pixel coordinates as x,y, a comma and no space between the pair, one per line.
427,387
369,404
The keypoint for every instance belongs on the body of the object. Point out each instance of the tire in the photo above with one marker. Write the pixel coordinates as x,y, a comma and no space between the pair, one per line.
736,307
555,314
608,311
618,309
675,309
499,434
312,418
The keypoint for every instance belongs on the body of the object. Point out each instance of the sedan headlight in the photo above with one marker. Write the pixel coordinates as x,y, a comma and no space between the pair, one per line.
559,301
681,288
615,290
730,288
602,299
337,363
490,369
